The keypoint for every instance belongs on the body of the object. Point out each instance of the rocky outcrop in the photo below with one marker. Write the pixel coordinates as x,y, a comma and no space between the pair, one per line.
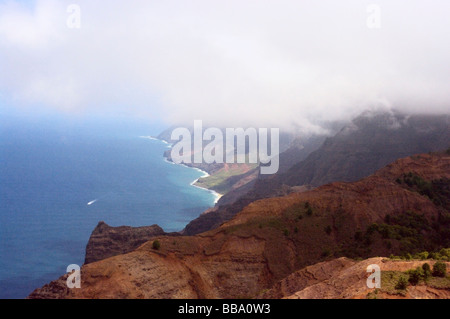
56,289
107,241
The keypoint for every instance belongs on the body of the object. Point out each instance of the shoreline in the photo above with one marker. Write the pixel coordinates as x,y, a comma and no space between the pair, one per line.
216,195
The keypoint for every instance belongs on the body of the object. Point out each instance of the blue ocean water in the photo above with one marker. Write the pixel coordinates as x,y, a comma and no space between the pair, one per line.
51,170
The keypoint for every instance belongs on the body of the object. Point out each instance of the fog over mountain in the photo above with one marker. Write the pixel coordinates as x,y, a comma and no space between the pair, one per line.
229,63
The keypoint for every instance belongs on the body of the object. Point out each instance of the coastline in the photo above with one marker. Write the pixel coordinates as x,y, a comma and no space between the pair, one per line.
216,195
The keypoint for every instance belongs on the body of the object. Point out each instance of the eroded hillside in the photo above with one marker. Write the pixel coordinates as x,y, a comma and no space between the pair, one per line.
272,239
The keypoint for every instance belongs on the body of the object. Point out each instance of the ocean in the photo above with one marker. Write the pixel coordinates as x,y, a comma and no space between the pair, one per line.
59,178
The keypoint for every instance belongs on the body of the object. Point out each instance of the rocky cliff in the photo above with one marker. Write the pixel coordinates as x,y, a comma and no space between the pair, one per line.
107,241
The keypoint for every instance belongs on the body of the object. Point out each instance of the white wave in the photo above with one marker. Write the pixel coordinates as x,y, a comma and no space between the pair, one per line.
150,138
169,145
205,174
217,196
167,161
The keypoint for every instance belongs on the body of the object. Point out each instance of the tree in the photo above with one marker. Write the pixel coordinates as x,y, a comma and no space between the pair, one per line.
415,276
156,245
439,269
401,284
426,270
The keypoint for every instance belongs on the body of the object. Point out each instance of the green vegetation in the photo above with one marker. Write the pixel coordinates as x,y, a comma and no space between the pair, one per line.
410,235
426,271
438,191
390,280
439,269
409,232
156,245
397,282
402,283
423,255
443,254
222,180
415,275
407,228
373,294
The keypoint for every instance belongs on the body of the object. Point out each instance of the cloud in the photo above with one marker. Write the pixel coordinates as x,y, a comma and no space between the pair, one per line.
226,62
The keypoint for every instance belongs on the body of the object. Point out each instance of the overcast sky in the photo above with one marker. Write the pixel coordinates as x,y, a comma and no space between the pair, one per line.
266,63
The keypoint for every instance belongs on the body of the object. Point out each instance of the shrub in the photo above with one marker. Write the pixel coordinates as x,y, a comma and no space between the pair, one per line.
309,211
328,229
402,283
439,269
445,252
156,245
423,255
426,270
415,276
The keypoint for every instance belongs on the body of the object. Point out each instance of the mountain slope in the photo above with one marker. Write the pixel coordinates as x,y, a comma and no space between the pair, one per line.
370,142
273,238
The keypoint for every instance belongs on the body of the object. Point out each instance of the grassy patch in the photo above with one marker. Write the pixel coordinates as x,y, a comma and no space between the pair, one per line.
391,282
219,180
439,282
